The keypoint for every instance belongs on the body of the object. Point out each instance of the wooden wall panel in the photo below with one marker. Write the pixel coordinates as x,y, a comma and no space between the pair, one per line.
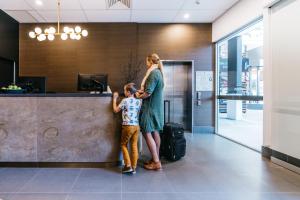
108,47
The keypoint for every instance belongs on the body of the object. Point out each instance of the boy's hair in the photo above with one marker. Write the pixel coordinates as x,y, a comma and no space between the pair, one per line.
130,87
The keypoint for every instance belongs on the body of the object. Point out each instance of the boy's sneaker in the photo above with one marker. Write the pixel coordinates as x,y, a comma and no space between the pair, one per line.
126,170
133,171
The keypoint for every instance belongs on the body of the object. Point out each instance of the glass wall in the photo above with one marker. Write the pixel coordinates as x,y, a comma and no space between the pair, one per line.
240,86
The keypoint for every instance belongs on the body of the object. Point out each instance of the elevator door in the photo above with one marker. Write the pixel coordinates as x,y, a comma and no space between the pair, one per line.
178,92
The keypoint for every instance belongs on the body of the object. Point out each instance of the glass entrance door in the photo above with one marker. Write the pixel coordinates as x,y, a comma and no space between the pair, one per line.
240,86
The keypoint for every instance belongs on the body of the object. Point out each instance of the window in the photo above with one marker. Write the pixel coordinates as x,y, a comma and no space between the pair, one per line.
240,86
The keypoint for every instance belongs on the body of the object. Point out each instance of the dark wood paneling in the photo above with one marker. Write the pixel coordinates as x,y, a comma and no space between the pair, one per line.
108,47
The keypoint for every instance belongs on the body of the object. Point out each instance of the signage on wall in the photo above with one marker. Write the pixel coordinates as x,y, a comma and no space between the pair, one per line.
204,81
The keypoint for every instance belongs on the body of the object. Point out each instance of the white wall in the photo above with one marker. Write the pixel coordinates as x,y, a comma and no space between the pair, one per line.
284,32
239,15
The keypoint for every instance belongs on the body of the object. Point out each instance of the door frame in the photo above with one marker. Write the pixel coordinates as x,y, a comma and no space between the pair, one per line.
191,62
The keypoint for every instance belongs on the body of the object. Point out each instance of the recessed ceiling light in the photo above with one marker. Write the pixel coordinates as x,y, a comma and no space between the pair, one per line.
186,16
38,2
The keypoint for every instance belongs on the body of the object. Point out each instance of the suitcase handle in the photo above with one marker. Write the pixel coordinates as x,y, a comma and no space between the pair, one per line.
167,102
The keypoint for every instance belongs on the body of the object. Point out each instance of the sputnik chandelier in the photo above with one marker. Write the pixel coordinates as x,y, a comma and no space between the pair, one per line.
49,33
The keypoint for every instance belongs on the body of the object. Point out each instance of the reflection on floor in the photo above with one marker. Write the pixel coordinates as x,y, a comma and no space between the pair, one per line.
214,169
248,131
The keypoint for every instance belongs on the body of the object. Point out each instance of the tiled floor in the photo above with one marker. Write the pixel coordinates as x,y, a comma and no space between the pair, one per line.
214,169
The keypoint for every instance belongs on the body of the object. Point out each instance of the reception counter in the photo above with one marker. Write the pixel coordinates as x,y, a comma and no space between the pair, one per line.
70,129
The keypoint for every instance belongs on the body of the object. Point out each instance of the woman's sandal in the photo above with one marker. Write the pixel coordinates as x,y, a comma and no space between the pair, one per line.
153,166
148,162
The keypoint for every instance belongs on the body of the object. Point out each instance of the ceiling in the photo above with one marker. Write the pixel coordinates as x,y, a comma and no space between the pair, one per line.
141,11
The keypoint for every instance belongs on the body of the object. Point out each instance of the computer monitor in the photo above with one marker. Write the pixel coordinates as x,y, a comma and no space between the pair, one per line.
33,84
92,82
7,72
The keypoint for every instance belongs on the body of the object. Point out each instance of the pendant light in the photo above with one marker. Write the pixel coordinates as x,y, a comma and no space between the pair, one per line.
50,33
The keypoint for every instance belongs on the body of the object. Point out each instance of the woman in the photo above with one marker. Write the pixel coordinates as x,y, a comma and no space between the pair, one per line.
151,118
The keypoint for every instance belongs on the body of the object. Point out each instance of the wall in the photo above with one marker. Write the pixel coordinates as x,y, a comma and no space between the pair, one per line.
9,37
107,49
238,16
284,58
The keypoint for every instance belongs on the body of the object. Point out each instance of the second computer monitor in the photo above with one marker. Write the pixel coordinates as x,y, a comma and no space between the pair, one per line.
92,82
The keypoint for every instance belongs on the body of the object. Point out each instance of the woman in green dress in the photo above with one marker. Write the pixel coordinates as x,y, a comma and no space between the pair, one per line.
151,117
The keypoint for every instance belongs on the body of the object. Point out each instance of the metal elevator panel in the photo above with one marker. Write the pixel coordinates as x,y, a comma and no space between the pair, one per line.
177,92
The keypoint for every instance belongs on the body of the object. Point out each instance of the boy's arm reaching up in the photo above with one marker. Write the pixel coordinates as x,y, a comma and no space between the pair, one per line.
116,108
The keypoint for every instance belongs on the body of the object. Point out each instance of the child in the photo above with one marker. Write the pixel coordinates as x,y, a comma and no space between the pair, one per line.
130,107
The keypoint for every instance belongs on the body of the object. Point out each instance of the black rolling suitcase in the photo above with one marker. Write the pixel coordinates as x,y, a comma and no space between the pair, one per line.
173,143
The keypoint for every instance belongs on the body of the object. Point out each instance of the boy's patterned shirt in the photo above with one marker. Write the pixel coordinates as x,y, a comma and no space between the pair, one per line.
130,111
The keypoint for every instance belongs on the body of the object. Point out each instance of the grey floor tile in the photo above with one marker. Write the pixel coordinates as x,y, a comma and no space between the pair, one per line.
149,196
35,196
146,181
99,180
288,196
278,185
98,196
52,180
213,169
190,178
171,196
282,180
4,196
13,179
247,196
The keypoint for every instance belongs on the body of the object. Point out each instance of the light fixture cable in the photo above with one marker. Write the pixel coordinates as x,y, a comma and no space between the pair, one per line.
58,16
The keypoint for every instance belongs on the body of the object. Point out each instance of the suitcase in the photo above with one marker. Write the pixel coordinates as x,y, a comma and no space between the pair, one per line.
173,142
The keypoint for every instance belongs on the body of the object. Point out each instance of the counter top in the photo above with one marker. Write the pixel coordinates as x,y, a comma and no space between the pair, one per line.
82,94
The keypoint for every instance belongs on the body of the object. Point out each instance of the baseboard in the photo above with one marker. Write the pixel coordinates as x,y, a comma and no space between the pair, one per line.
286,165
59,164
266,152
269,153
203,129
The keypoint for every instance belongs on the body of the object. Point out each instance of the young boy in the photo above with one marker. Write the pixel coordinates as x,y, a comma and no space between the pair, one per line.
130,107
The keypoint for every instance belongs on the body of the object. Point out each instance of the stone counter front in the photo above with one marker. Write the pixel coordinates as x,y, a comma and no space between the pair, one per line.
58,129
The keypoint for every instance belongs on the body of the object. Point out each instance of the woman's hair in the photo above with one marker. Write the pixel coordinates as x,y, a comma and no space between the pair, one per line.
130,87
154,58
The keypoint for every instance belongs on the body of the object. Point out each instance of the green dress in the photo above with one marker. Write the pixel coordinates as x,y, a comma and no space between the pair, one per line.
151,117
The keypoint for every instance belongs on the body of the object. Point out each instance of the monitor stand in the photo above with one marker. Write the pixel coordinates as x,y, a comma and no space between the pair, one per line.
95,92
